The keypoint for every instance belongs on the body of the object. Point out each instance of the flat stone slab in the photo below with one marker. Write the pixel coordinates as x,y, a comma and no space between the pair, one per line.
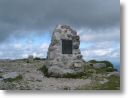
10,75
60,83
114,73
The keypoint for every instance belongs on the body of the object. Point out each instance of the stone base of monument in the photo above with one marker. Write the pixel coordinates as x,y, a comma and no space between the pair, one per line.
64,55
56,70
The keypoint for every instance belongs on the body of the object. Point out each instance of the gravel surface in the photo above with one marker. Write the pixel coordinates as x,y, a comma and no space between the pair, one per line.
33,79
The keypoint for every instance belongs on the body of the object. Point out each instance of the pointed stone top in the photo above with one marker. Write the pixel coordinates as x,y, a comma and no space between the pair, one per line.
66,27
62,27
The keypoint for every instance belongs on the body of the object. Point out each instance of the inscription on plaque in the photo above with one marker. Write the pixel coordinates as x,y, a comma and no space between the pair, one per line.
66,46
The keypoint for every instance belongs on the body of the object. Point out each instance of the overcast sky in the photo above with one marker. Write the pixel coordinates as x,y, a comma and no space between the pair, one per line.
26,26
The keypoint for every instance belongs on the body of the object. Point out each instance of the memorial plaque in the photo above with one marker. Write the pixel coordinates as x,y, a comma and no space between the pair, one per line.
66,46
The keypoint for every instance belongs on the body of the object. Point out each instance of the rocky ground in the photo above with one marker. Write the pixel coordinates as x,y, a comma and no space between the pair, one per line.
25,75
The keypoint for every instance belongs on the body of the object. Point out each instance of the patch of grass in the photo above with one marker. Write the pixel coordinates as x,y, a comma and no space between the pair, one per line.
101,70
66,88
27,61
55,42
89,70
37,58
77,75
105,70
112,84
44,70
110,69
93,61
74,75
1,76
14,79
108,63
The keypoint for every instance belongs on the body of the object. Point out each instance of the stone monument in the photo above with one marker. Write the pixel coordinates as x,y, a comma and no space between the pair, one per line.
64,55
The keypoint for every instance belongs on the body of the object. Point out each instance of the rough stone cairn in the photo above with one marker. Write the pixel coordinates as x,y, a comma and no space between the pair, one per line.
64,55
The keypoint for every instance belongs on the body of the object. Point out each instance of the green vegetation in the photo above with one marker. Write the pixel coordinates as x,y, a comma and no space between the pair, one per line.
37,58
89,71
93,61
66,88
14,79
97,75
112,84
105,70
1,76
44,70
110,69
55,42
74,75
108,64
78,75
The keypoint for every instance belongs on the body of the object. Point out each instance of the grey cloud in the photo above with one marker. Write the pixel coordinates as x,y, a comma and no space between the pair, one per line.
109,53
100,35
10,51
44,14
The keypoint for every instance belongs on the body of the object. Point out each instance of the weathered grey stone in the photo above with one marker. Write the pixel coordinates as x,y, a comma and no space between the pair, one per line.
56,70
115,73
1,79
10,75
64,62
99,65
104,81
1,70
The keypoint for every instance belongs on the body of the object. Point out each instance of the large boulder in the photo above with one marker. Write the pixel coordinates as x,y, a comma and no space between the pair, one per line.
115,73
99,65
11,75
58,71
64,55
